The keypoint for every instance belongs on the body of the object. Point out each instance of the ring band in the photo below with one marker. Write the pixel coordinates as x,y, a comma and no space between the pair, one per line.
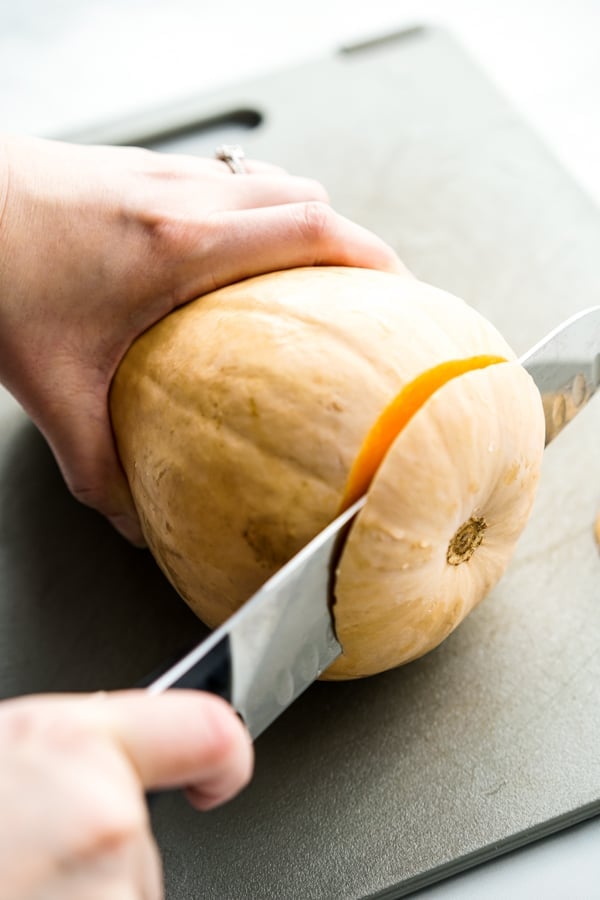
234,156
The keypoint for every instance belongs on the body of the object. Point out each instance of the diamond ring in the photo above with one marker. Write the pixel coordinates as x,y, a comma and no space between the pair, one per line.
234,156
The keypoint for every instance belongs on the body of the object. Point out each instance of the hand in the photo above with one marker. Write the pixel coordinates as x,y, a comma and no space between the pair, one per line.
98,243
73,820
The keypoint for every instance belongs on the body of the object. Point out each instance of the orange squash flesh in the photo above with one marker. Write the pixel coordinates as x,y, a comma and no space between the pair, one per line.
396,416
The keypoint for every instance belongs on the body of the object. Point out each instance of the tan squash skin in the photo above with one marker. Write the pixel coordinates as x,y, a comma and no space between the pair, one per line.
480,467
238,417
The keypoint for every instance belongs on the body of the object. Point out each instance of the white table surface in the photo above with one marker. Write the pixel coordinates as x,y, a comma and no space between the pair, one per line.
68,64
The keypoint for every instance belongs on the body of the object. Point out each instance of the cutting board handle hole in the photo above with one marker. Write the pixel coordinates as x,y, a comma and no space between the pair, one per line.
203,135
394,37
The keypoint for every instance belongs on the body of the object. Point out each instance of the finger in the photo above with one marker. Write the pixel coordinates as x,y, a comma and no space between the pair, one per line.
252,192
203,165
223,192
247,243
181,739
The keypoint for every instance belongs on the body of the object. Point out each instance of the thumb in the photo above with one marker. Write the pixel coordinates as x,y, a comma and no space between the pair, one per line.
180,739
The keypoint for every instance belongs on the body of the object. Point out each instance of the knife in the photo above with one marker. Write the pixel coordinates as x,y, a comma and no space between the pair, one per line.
268,652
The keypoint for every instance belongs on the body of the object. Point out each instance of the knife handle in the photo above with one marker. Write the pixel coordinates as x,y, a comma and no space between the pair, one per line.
212,672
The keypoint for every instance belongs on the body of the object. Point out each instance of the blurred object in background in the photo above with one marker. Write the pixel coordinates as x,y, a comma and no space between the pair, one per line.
69,64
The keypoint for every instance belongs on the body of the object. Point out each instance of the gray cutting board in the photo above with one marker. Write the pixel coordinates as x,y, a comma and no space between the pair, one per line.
372,788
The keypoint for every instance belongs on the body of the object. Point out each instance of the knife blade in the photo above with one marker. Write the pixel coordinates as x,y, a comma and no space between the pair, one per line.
268,652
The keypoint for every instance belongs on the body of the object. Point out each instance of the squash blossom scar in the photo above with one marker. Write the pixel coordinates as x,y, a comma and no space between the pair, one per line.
466,540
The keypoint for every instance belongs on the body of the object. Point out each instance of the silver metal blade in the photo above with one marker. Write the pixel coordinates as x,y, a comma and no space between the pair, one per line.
284,637
281,640
565,366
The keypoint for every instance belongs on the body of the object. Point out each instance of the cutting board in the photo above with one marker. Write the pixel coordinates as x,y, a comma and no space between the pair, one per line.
372,788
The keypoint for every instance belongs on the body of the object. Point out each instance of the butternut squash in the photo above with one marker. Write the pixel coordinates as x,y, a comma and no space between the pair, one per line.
247,419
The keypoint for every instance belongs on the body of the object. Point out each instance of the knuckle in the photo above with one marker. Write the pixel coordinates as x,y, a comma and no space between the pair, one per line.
163,236
106,800
18,723
88,494
316,220
94,479
173,236
177,248
61,746
41,721
110,827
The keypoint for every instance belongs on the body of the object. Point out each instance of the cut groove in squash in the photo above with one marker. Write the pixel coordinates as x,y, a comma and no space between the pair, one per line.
396,416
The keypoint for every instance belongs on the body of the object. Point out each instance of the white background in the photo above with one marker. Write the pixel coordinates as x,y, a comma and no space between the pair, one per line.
70,63
67,64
